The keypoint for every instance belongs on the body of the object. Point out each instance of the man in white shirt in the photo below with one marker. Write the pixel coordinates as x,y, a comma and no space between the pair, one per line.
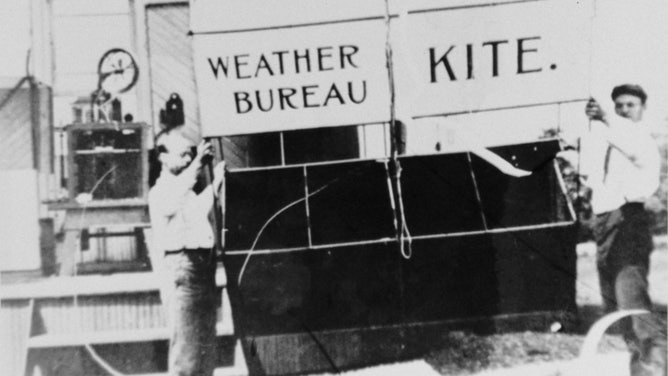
621,165
184,252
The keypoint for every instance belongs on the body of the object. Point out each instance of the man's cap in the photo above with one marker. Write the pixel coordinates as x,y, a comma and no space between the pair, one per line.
630,89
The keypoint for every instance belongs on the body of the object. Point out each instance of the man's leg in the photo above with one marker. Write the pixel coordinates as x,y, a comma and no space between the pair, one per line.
605,231
645,334
193,341
606,281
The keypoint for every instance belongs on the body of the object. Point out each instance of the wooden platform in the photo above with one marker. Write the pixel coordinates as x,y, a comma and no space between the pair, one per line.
60,316
118,283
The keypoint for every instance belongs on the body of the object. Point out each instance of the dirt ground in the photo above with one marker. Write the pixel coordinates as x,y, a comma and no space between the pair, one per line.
538,353
527,351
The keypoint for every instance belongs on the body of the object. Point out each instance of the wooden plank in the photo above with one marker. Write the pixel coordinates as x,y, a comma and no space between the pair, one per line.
111,336
97,204
16,143
53,334
16,319
90,285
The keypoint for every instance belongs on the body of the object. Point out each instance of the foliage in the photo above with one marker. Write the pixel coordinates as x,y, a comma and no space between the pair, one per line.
580,194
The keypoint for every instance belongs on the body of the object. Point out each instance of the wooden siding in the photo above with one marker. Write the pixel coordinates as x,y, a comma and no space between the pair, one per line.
16,139
172,71
15,318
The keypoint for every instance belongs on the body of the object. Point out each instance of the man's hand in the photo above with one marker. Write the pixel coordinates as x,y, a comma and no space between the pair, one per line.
218,177
204,151
654,205
219,173
594,111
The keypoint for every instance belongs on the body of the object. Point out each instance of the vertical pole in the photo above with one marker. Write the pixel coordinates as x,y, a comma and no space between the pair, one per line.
477,192
222,198
63,179
307,207
559,118
34,122
218,201
282,141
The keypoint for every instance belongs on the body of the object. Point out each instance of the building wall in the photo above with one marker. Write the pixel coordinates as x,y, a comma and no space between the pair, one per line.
170,58
16,138
19,222
169,53
25,44
82,31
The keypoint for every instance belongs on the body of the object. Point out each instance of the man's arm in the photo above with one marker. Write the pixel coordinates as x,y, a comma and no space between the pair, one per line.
648,162
216,186
167,200
615,133
636,144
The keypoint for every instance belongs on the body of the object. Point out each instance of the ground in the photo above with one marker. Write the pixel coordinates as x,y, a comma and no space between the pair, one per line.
517,349
546,353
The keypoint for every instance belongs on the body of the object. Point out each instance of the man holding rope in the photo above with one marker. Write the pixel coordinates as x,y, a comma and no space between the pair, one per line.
185,253
621,165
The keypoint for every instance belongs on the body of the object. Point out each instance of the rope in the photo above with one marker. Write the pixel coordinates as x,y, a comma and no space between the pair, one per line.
405,239
276,214
88,346
390,190
402,233
250,254
11,92
264,226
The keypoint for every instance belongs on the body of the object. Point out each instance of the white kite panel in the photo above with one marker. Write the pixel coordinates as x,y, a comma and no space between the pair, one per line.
292,78
491,57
